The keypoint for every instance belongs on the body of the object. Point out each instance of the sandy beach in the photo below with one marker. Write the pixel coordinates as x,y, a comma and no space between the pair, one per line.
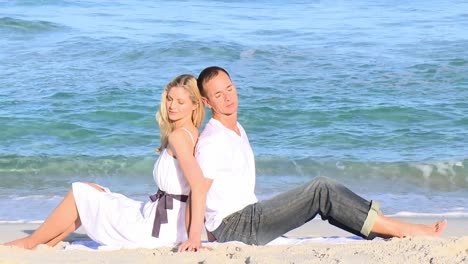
452,247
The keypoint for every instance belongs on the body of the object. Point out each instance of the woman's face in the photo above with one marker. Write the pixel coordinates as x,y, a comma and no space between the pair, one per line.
179,106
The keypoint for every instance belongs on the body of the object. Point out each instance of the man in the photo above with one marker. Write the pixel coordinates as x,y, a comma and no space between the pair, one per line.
233,212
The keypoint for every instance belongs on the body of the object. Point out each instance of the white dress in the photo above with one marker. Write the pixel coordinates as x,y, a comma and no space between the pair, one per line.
116,220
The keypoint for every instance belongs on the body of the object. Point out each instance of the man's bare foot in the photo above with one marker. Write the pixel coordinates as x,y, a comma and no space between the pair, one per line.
434,230
440,227
387,227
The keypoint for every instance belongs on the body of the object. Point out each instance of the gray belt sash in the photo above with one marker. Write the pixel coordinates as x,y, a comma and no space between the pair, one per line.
165,203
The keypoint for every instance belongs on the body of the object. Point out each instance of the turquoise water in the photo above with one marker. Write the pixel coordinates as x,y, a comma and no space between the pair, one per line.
370,93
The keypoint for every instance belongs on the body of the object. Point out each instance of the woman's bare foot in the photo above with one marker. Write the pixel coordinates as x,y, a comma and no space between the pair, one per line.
20,243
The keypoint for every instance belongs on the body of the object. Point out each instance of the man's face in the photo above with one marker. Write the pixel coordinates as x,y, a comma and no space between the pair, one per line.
221,95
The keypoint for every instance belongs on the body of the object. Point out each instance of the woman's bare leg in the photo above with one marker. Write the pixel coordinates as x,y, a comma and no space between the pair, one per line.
387,227
60,223
73,226
64,215
63,235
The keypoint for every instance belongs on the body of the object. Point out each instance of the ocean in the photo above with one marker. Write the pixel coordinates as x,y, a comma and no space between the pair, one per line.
369,93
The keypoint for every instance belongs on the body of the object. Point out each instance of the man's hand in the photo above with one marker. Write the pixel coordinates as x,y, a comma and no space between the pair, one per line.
191,246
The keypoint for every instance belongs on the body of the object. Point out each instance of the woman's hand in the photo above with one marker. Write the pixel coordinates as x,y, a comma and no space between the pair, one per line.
191,245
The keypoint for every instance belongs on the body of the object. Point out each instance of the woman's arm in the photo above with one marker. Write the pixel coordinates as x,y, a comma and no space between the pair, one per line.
182,148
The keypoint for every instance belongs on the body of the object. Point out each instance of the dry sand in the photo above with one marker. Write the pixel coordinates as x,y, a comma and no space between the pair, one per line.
452,247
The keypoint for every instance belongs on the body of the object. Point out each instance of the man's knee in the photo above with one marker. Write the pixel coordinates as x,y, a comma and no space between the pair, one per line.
323,181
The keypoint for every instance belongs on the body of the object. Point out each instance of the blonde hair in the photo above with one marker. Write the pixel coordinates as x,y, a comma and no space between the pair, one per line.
189,83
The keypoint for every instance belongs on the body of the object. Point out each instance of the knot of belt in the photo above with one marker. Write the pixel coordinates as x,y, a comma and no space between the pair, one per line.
165,202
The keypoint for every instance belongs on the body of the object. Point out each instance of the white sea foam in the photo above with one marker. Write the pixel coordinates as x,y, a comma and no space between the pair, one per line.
21,221
35,197
437,215
446,168
247,54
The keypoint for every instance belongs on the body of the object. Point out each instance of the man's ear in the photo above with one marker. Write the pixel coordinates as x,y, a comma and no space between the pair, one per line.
206,102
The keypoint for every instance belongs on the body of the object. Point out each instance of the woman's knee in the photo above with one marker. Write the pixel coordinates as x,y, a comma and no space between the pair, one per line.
95,186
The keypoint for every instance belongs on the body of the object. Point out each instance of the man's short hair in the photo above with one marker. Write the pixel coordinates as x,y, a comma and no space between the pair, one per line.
206,75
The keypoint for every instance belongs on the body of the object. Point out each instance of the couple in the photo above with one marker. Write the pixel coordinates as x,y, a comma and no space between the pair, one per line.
208,182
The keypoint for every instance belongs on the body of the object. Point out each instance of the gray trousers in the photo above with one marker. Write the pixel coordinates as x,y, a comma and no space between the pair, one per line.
260,223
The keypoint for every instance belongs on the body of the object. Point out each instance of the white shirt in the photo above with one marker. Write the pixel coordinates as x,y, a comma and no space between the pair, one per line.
228,160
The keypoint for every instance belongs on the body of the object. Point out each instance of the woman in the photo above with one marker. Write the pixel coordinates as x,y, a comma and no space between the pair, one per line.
113,219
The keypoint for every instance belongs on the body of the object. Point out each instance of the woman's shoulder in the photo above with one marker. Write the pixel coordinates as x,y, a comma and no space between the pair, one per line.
183,135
